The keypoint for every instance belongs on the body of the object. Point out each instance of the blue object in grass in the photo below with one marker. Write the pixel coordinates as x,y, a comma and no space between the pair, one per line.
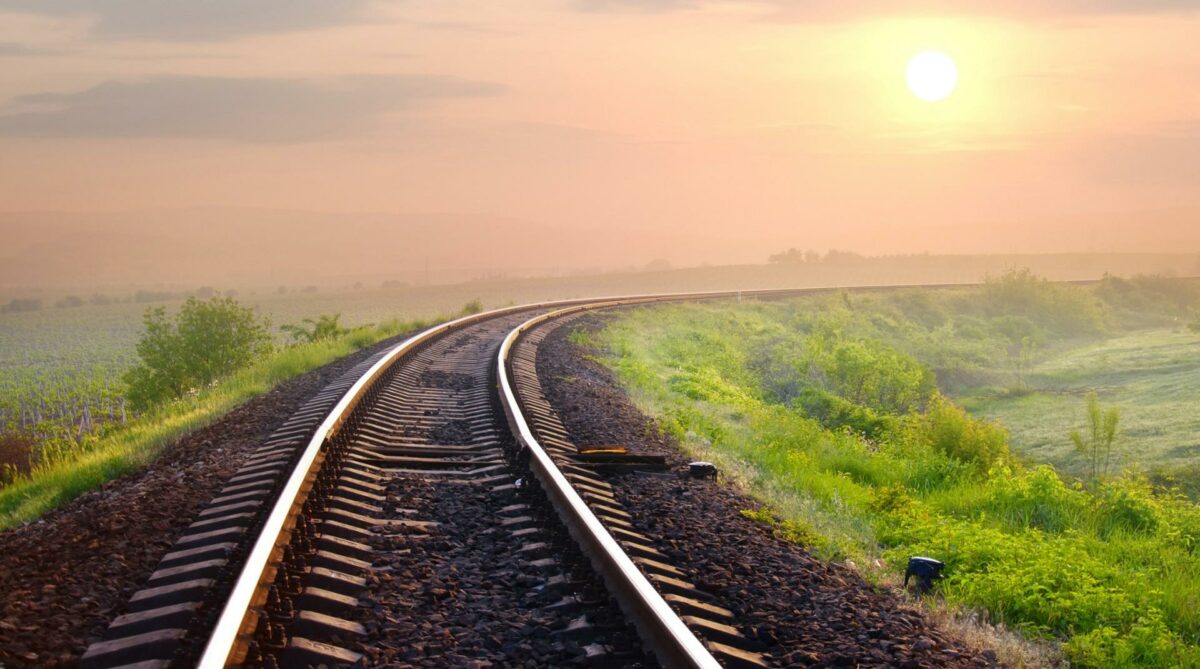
926,570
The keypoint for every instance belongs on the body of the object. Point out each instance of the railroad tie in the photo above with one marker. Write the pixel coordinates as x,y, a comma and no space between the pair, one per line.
715,625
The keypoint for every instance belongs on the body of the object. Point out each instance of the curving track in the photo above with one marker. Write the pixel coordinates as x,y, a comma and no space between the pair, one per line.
427,509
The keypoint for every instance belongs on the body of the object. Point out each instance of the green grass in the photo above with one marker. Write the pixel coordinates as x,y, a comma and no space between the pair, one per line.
1152,375
61,368
129,447
1111,570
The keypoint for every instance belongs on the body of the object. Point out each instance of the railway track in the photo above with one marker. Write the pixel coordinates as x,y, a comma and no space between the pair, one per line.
427,508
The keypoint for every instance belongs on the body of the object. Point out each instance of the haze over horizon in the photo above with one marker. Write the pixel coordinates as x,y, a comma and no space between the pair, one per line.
571,134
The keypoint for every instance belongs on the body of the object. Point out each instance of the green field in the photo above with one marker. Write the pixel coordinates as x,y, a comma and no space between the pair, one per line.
117,449
827,409
840,411
1152,375
63,409
60,368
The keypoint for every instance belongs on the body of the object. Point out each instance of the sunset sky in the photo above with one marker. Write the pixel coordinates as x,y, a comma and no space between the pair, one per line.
786,123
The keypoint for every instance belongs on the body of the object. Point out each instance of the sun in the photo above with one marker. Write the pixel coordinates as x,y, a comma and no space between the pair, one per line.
931,75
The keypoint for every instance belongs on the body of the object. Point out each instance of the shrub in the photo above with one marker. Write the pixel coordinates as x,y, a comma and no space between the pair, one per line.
928,472
922,307
471,308
1150,293
948,429
324,327
1038,499
892,499
205,341
1148,643
1016,329
870,373
16,456
1064,309
19,305
1183,480
1126,506
834,412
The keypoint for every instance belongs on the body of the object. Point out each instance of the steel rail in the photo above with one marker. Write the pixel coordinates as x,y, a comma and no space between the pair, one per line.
227,644
229,641
659,626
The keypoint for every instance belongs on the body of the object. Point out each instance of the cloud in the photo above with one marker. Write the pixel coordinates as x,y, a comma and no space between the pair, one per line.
825,10
636,5
241,110
11,49
198,19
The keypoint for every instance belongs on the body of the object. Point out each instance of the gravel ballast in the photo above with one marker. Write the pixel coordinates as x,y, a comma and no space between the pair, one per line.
66,575
805,611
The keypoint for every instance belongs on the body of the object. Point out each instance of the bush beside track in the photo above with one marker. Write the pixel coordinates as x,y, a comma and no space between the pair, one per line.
1111,567
130,447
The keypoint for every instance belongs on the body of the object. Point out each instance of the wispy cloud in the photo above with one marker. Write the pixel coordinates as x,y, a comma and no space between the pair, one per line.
825,10
8,49
636,5
201,20
198,19
242,110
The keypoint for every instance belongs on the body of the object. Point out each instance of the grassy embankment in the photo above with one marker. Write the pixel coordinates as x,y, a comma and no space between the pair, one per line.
831,411
122,449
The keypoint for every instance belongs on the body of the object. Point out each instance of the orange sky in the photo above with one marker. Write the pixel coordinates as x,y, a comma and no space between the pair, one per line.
787,121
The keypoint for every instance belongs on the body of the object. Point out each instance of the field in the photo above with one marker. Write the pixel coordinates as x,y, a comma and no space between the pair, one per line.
117,449
840,411
832,410
1152,375
61,365
53,341
60,368
65,425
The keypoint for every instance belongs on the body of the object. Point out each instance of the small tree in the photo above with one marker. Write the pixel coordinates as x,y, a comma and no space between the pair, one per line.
205,341
1194,326
1097,444
69,302
18,305
324,327
1022,336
